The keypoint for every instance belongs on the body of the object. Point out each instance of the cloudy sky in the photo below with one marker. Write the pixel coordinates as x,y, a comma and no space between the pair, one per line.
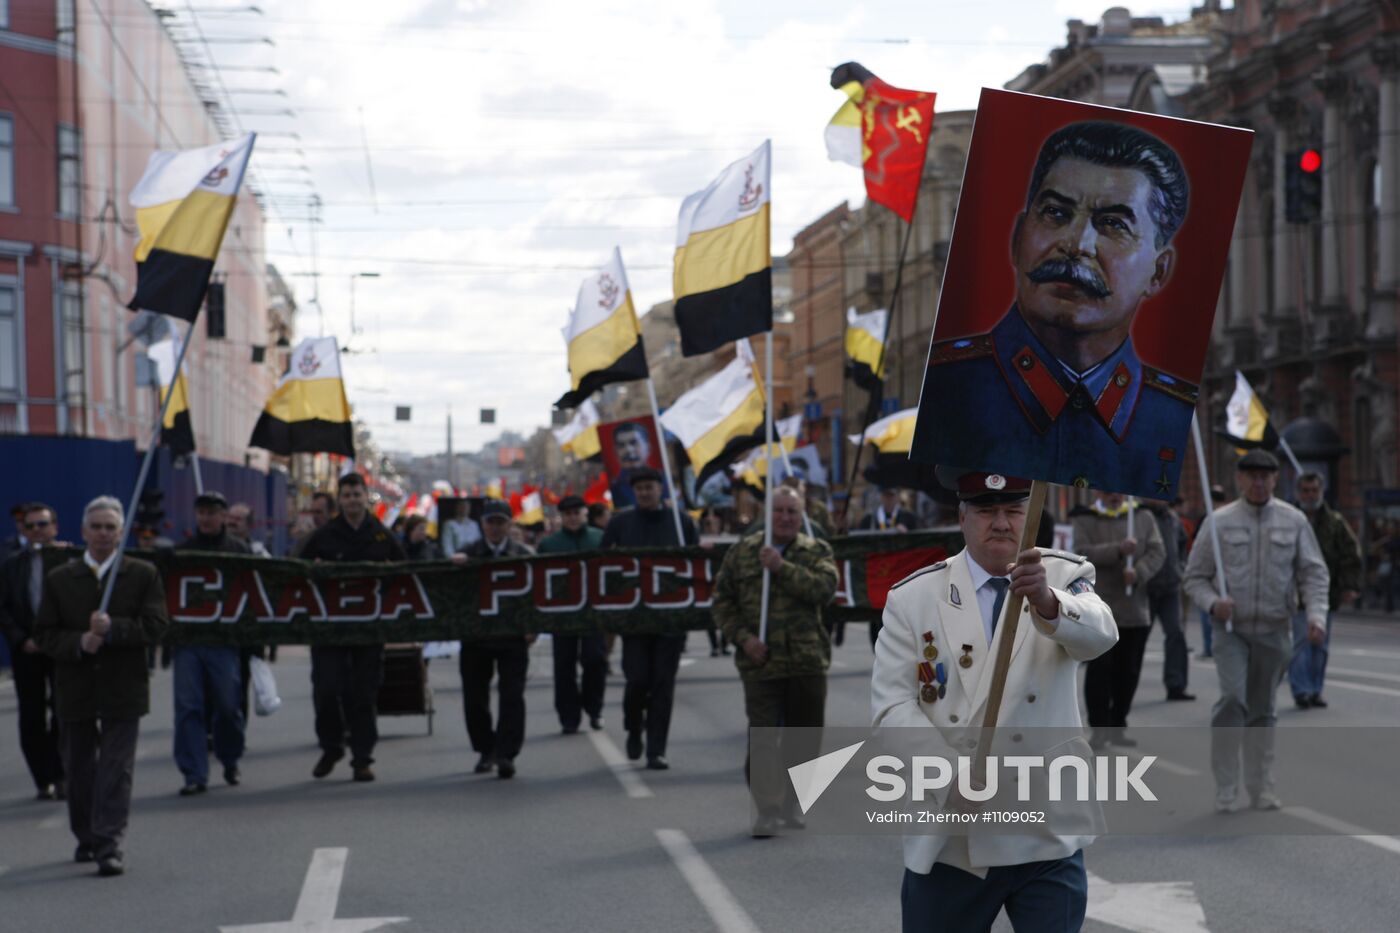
481,156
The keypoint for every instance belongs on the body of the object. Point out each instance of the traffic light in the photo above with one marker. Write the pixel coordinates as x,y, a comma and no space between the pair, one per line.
1302,185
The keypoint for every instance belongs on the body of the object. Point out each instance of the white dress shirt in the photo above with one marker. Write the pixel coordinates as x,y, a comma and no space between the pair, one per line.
986,595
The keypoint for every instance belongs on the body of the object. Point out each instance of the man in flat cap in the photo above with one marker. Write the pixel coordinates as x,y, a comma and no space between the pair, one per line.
1270,556
649,662
933,667
1057,386
208,684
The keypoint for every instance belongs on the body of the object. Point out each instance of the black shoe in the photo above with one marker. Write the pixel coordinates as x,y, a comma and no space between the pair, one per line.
570,730
1302,700
60,790
192,789
714,652
505,769
634,745
1180,695
46,792
232,776
326,763
110,866
595,723
657,763
363,774
83,854
485,764
764,827
1317,700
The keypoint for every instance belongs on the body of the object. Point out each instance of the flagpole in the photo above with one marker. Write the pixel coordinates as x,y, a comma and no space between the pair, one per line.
144,472
1288,452
666,463
198,474
1210,513
1128,590
767,483
879,367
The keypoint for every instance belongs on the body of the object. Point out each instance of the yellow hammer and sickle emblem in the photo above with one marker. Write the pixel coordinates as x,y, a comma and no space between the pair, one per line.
907,119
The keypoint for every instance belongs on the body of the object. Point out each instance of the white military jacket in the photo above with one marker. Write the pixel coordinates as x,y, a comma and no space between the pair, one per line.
1041,686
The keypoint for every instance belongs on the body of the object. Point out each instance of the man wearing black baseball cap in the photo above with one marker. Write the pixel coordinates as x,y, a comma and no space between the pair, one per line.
208,680
507,657
572,651
649,662
933,667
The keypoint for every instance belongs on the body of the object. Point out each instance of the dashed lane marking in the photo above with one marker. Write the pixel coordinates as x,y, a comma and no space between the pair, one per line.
1360,833
622,769
714,896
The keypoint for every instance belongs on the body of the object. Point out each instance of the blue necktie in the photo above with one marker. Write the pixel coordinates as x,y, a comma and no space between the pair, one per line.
1000,584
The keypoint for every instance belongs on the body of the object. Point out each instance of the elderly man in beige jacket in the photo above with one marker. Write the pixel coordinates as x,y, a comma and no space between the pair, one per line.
1270,556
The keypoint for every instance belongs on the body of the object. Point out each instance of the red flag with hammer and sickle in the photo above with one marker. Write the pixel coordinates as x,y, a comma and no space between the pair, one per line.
895,126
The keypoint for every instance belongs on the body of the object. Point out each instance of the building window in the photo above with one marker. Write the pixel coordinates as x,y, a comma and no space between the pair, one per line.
7,158
70,171
9,337
71,316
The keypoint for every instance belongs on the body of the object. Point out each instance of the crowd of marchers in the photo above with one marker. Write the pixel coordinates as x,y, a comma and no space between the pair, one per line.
82,674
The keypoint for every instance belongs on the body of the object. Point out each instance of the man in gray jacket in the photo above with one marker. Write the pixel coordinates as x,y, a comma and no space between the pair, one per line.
1270,553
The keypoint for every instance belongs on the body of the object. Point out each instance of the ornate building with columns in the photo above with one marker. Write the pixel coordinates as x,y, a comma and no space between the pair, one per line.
1309,310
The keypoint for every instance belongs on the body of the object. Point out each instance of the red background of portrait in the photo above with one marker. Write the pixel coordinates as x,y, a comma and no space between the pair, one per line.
605,440
1172,330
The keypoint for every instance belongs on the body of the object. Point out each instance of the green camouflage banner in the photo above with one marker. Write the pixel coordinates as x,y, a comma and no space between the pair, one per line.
232,599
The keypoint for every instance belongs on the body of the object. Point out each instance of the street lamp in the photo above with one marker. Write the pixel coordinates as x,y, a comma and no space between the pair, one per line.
353,276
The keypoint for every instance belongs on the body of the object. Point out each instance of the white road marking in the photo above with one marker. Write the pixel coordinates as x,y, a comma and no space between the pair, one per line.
712,893
1357,672
686,662
1151,907
315,910
1360,833
1364,688
622,769
146,751
1368,653
55,820
1170,767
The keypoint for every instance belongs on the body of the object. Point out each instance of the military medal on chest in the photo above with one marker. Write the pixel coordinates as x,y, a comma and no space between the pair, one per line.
966,659
930,649
933,679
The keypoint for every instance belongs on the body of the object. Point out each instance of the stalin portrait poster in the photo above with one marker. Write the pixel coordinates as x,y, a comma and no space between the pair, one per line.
1080,287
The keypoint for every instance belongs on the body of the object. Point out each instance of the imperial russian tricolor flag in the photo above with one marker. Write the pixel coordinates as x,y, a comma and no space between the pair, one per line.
183,203
604,341
308,412
175,430
719,419
723,268
865,336
580,436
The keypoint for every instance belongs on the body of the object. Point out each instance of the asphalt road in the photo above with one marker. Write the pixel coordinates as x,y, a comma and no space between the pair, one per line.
576,843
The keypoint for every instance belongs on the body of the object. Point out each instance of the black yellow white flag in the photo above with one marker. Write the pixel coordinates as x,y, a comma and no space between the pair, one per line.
723,267
604,341
865,336
1246,418
183,203
892,434
308,412
719,419
176,431
580,436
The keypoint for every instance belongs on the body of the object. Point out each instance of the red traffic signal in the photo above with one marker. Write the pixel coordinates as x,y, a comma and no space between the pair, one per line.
1310,161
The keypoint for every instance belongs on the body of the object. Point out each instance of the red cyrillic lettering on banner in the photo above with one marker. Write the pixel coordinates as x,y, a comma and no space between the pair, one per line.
404,593
351,599
624,594
654,595
299,597
702,577
178,598
246,592
564,575
506,580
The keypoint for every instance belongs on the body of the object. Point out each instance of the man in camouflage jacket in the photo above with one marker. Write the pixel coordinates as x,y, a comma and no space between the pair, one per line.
784,673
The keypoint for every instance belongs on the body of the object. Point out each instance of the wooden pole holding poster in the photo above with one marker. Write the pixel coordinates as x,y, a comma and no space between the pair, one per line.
666,464
1007,627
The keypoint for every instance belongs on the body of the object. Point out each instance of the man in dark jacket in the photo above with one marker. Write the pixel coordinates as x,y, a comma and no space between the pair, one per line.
649,662
208,683
508,657
1343,556
21,589
102,678
1164,599
572,650
345,679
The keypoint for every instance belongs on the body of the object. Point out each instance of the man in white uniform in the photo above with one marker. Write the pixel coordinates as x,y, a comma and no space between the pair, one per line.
946,616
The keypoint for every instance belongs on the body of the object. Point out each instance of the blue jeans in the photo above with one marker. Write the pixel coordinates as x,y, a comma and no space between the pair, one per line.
1309,664
1205,634
207,675
1039,897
